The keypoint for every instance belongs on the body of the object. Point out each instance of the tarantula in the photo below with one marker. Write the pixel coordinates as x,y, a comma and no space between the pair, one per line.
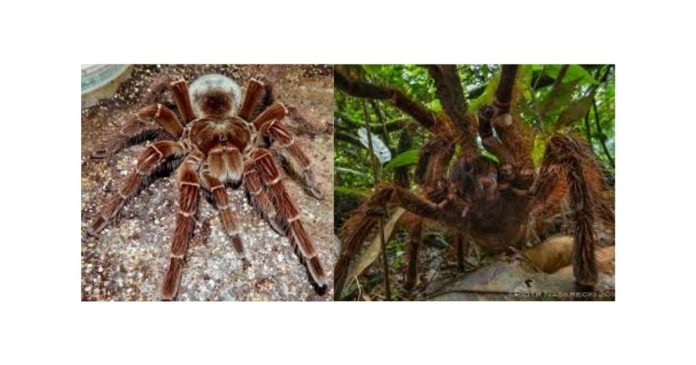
493,203
214,142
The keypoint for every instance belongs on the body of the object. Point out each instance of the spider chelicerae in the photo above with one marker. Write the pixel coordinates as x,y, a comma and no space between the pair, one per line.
215,142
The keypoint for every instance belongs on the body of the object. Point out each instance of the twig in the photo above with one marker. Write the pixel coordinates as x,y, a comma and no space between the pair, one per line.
361,89
602,137
539,122
600,133
588,128
392,125
468,291
357,282
561,75
380,117
385,261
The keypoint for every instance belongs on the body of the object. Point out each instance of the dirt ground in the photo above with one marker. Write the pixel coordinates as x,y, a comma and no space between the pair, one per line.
128,259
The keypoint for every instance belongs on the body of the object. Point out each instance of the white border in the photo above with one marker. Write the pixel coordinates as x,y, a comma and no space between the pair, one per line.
44,44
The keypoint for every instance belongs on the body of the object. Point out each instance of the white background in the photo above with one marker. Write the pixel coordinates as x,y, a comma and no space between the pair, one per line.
43,45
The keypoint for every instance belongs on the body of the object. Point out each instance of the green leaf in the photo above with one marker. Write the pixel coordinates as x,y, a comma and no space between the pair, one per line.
372,69
351,191
575,72
490,155
487,96
559,95
538,150
577,110
523,81
435,106
407,158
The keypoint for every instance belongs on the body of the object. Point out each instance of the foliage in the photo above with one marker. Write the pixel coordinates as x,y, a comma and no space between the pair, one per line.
406,158
581,103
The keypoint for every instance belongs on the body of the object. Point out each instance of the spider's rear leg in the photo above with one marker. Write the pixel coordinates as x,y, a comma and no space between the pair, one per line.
138,128
153,157
566,167
289,217
224,164
259,197
412,246
187,178
363,220
283,142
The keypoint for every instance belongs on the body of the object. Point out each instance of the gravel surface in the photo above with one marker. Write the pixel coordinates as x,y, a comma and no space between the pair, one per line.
128,259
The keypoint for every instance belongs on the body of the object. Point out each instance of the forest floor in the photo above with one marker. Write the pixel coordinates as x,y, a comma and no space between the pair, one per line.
128,259
507,276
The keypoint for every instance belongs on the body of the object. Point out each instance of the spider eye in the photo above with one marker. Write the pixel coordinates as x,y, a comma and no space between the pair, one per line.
215,95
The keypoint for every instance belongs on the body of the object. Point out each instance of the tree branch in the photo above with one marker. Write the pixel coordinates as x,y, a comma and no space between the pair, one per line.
391,126
361,89
451,95
348,138
561,75
503,95
380,117
588,129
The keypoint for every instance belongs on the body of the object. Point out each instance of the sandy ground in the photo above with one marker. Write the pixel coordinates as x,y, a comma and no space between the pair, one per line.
128,259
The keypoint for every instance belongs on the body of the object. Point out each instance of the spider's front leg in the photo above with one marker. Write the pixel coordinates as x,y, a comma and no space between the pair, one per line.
270,125
512,144
187,178
139,128
258,95
179,90
153,158
287,214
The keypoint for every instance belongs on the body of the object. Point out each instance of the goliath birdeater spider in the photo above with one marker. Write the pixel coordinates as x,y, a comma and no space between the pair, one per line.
214,142
493,203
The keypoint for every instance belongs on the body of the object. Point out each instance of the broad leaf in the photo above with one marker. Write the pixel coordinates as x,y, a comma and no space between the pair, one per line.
350,171
352,191
560,94
575,72
406,158
577,110
523,81
487,96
